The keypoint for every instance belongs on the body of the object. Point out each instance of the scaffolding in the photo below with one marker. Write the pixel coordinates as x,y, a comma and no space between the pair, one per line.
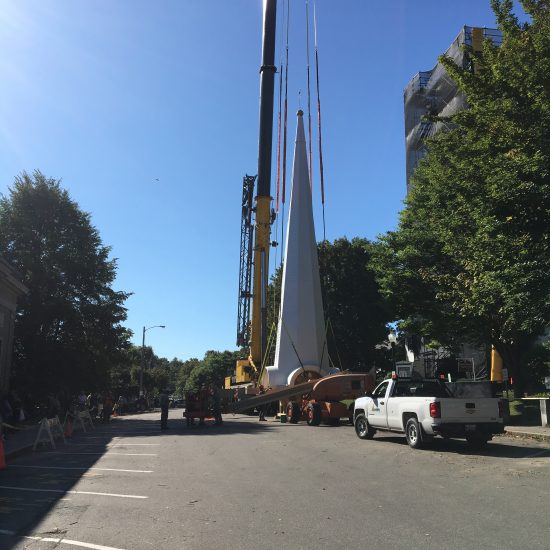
434,93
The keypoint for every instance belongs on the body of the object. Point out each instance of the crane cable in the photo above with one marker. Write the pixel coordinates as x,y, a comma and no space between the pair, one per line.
281,163
279,132
321,167
285,109
285,120
277,200
308,94
328,323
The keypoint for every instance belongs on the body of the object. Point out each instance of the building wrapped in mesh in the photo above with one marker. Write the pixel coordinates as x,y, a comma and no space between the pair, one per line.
434,93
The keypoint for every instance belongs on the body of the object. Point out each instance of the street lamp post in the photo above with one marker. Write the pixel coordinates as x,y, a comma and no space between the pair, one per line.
392,339
143,356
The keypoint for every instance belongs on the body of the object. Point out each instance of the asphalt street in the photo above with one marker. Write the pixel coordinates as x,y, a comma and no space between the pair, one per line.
252,485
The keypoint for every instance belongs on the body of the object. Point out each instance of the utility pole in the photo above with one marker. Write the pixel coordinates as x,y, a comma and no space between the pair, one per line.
143,356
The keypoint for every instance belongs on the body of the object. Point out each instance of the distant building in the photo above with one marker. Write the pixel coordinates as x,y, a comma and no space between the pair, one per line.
434,93
10,289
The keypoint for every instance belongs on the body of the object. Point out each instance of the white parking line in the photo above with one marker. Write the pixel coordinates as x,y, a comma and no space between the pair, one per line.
115,444
72,543
81,469
6,532
104,454
124,444
71,492
130,432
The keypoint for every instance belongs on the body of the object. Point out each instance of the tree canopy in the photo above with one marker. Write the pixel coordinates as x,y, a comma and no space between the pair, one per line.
356,312
471,255
68,329
212,369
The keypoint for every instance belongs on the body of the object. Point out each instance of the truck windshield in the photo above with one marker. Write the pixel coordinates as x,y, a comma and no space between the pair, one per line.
420,388
430,388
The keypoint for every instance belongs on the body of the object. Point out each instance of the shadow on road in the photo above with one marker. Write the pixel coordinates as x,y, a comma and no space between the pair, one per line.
497,448
35,482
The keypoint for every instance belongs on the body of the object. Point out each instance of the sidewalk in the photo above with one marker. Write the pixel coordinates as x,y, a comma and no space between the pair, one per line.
532,432
20,441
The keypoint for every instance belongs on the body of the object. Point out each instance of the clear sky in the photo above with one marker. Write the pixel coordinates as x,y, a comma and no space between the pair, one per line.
111,95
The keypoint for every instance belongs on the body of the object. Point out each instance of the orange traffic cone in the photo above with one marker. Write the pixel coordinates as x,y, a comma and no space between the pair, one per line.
68,432
2,457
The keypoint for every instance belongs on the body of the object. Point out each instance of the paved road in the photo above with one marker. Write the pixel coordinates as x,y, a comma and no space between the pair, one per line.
252,485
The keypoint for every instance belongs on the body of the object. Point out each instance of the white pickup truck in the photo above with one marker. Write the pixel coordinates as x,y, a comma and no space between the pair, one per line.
423,409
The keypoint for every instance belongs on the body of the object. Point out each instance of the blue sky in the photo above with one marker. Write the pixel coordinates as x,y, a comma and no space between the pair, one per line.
109,95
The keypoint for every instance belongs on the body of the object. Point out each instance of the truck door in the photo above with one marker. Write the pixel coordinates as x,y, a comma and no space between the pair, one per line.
400,389
377,411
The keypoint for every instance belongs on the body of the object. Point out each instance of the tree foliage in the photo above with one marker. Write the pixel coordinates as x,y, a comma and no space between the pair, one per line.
471,255
356,312
68,330
212,369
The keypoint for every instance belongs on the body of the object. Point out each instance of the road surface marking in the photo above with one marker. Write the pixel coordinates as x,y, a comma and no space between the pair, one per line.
105,454
115,444
71,492
130,432
121,444
72,543
81,468
6,532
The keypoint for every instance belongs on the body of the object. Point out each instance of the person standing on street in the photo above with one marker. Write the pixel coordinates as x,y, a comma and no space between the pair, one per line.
164,403
216,405
261,408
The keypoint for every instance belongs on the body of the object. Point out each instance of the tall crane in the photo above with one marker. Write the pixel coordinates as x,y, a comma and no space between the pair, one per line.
257,217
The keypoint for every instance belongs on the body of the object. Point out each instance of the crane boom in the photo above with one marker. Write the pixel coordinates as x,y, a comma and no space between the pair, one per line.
255,335
258,337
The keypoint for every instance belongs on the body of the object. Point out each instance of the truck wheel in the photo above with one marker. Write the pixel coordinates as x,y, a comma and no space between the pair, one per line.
412,432
363,428
476,441
293,412
313,413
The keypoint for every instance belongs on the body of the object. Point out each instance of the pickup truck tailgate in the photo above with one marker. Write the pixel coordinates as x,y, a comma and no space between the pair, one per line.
469,410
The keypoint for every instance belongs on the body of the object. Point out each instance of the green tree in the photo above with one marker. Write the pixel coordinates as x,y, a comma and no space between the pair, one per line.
357,314
68,330
212,369
471,255
183,374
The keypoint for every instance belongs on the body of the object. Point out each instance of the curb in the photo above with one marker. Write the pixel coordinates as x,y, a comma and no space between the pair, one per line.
17,452
527,435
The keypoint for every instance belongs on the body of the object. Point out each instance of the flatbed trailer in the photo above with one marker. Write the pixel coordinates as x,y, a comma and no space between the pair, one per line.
315,401
269,396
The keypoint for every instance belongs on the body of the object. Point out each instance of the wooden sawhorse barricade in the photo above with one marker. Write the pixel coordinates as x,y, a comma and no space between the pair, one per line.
82,419
49,429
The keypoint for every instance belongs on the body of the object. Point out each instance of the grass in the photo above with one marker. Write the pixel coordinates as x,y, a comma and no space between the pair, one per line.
523,413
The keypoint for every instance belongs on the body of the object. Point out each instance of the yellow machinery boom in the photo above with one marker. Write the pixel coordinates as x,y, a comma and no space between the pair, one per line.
255,259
